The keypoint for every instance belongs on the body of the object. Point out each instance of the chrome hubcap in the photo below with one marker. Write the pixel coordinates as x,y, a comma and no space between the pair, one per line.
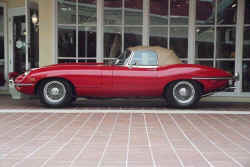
184,92
54,91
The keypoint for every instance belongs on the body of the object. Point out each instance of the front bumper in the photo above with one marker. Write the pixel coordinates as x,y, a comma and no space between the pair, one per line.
26,88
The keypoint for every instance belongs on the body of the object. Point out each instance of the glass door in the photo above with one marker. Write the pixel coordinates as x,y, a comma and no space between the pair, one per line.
19,44
23,40
2,48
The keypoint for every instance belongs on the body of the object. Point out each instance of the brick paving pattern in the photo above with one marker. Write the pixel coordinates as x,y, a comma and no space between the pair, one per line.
124,140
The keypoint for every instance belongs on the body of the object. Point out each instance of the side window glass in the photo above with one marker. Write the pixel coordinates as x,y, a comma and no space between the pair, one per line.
144,58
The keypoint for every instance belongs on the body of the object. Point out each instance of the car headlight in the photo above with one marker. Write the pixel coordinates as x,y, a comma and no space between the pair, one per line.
26,73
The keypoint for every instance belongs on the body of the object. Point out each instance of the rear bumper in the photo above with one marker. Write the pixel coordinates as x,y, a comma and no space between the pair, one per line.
233,78
229,86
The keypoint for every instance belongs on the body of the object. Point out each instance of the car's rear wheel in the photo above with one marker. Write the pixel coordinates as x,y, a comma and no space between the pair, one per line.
183,94
56,93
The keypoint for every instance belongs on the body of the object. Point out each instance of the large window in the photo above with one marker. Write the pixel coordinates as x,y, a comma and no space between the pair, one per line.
2,62
246,50
215,33
122,26
76,30
169,25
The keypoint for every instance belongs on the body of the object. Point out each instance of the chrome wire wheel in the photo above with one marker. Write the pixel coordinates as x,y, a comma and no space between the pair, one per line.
184,92
54,91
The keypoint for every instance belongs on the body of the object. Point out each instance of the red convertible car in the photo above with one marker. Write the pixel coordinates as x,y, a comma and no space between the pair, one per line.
139,72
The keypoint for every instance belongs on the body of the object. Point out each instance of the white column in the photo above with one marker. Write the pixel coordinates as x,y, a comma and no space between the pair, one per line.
191,31
99,31
27,37
239,43
55,32
6,57
145,34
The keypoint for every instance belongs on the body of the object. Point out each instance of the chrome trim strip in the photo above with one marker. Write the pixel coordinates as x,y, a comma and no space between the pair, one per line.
235,78
213,78
19,85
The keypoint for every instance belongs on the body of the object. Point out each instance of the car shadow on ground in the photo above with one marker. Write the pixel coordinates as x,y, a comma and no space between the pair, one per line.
130,104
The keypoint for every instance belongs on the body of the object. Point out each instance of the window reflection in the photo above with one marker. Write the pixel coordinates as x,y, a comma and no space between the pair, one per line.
66,61
246,61
247,12
246,43
87,12
179,41
245,76
179,12
2,80
205,63
87,42
132,36
112,42
159,36
66,11
226,11
226,65
66,41
112,12
225,47
133,12
159,12
204,42
205,12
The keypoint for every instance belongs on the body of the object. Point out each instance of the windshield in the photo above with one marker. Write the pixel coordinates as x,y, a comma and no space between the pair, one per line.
124,57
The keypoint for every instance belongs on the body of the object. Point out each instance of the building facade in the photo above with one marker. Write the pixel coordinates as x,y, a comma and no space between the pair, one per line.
209,32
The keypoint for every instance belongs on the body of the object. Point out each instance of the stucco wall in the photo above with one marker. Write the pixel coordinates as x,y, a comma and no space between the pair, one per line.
46,56
14,3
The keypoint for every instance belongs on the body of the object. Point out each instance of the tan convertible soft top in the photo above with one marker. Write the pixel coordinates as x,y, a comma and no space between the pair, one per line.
165,56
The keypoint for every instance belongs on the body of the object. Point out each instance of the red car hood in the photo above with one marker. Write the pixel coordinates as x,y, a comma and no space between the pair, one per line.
73,64
68,66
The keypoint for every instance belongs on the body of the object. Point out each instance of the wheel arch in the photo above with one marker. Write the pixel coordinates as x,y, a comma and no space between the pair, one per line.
190,80
54,78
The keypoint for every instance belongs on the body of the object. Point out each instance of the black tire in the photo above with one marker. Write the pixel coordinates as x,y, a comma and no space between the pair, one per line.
183,94
55,93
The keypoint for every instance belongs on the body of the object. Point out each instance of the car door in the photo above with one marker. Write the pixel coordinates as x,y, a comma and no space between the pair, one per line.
139,77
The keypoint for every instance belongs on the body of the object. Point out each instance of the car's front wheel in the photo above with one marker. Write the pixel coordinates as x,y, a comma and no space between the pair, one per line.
183,94
55,93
